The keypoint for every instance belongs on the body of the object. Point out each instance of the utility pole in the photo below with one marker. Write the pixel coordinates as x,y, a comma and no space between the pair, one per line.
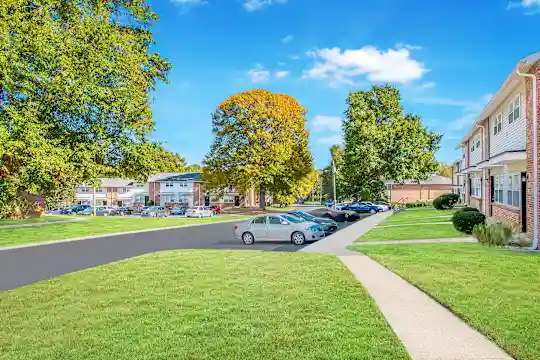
321,189
334,180
93,201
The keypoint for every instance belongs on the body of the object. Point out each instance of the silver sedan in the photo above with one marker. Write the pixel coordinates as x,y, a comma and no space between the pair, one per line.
278,227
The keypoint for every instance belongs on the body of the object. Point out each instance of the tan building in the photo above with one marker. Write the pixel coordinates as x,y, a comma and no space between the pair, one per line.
411,191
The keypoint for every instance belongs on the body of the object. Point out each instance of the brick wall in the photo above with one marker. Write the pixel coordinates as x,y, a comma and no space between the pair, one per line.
529,111
153,192
415,193
486,191
475,202
508,214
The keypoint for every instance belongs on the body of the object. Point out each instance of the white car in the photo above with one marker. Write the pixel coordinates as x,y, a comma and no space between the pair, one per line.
284,227
199,212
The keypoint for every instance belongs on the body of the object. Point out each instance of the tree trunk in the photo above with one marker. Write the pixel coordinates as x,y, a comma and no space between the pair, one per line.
262,200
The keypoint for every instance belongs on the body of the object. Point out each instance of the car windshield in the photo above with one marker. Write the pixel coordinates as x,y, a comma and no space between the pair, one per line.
305,215
293,219
153,208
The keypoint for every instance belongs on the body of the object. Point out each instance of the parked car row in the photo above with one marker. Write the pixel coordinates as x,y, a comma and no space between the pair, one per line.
147,211
362,207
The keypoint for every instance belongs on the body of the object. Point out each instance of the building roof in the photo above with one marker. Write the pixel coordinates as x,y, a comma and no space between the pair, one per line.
171,177
524,66
434,180
110,182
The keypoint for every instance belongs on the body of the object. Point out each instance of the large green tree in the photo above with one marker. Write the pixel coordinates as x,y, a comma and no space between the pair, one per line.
75,85
382,142
261,142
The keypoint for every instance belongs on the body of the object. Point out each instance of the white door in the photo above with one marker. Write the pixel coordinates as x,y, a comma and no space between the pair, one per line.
258,228
276,229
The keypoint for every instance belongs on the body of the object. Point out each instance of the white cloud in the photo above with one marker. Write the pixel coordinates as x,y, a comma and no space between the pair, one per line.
323,123
281,74
408,47
295,57
259,74
287,39
331,140
344,67
531,6
254,5
427,85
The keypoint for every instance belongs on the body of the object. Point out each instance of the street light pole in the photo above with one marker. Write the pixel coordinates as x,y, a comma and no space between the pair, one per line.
334,181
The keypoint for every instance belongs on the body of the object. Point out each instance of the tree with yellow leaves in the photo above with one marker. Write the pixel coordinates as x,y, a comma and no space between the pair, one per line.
261,142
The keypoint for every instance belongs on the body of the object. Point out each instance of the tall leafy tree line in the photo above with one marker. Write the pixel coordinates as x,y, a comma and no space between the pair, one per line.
381,142
75,85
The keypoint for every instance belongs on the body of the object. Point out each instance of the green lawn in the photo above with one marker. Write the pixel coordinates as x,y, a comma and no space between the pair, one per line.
415,232
96,226
198,305
34,220
419,214
496,291
391,221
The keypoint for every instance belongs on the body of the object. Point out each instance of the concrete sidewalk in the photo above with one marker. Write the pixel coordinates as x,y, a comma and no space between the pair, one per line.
427,329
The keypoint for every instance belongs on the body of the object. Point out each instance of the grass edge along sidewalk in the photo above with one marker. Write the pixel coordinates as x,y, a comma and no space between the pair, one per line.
412,232
192,304
96,226
494,290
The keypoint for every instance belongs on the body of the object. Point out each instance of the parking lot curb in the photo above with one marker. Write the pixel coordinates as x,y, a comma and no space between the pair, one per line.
44,243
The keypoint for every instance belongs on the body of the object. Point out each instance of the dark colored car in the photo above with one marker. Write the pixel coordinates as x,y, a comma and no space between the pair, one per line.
75,209
329,226
363,208
178,210
123,210
336,215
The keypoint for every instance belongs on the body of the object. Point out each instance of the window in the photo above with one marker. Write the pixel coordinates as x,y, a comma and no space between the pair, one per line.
259,220
140,185
169,184
497,127
125,190
475,186
478,142
513,110
514,187
85,190
472,146
274,220
99,190
498,187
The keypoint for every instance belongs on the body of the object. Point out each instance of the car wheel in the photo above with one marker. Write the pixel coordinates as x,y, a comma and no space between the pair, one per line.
298,238
372,211
248,238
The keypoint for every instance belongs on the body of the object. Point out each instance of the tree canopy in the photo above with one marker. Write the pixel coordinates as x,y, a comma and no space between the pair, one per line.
382,142
75,90
261,142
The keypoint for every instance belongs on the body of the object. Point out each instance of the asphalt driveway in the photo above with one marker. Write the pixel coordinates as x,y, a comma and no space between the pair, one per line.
27,265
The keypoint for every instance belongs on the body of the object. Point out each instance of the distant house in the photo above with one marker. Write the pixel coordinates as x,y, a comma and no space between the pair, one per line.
410,191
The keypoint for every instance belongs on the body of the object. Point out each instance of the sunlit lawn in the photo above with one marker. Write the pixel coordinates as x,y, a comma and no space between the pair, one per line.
198,305
34,220
496,291
415,232
97,226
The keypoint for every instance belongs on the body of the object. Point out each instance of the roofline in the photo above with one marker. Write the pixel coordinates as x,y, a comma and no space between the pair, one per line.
522,64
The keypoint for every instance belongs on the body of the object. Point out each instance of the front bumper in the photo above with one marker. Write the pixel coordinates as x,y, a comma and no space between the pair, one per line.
314,235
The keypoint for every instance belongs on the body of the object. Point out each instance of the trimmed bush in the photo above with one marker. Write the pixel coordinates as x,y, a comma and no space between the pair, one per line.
446,201
465,221
468,208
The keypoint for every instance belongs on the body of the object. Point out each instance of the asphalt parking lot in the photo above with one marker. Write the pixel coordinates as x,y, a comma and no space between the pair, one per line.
23,266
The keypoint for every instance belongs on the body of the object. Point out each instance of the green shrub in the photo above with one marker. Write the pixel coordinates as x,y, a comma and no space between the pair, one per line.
468,208
446,201
493,234
464,221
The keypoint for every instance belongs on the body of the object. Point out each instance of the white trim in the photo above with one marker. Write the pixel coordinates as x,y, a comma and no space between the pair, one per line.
498,124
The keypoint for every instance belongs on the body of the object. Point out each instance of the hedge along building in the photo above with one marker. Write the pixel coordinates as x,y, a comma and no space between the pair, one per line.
500,151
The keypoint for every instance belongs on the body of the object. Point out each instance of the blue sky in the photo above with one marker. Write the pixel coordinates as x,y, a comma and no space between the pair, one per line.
447,58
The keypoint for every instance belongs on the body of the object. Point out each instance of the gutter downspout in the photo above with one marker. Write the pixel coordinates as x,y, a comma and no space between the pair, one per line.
535,156
482,189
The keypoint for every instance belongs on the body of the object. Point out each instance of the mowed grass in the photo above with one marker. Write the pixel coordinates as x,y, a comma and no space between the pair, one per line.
198,305
389,221
414,232
34,220
496,291
416,214
98,225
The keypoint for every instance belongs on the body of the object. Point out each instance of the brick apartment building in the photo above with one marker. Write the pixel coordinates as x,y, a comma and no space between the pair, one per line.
500,151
